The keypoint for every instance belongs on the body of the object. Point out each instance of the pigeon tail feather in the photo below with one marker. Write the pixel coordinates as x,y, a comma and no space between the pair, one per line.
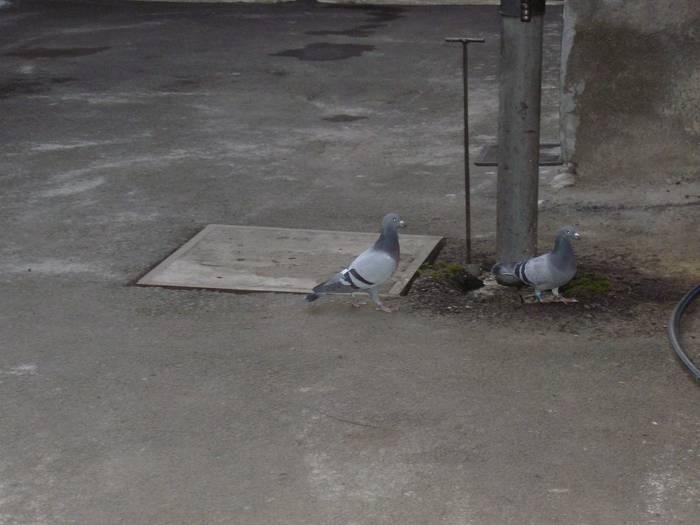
505,274
312,297
334,285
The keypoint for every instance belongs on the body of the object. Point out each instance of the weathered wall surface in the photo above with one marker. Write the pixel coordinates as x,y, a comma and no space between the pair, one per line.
631,88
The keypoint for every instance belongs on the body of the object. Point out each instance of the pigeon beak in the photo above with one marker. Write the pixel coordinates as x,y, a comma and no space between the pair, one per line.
577,235
402,224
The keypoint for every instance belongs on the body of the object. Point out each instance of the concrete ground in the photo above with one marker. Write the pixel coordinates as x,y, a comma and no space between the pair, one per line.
128,127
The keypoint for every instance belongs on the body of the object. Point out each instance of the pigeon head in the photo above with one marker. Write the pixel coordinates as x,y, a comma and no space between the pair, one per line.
569,232
391,222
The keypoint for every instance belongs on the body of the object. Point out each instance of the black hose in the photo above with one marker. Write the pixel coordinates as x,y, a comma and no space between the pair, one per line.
674,329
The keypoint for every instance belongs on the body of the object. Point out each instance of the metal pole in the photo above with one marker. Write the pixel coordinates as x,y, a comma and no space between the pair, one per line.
519,127
471,268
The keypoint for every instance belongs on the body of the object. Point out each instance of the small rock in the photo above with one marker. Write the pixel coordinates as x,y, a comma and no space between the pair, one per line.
563,180
566,177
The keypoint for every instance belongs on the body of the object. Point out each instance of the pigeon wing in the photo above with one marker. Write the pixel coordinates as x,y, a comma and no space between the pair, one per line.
372,268
541,273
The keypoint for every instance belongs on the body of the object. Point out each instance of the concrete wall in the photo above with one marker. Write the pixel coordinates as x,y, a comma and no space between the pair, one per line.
631,87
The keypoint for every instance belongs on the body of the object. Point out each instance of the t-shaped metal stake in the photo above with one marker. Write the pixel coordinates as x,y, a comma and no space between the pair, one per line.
471,267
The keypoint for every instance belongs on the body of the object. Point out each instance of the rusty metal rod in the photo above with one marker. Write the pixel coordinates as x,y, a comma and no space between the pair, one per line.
467,186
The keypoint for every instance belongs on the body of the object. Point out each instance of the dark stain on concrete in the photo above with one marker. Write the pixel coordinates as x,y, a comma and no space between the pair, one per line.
63,80
385,13
23,86
369,27
185,82
15,87
378,13
55,52
179,83
344,118
362,31
321,51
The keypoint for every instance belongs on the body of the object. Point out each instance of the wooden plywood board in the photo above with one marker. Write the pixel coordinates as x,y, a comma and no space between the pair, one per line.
253,258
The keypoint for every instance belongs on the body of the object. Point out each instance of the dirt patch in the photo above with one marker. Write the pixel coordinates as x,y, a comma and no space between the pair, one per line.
451,274
613,296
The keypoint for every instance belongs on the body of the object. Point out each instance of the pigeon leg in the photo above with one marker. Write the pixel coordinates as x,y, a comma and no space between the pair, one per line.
374,295
561,298
357,304
541,298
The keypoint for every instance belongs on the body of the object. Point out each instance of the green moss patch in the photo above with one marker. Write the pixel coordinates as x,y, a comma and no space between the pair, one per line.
588,285
450,273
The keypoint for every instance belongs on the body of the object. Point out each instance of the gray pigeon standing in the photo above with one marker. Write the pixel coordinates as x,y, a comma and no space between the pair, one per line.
546,272
370,269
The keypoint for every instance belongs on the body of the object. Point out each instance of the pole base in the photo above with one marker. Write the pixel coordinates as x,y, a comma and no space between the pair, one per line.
473,269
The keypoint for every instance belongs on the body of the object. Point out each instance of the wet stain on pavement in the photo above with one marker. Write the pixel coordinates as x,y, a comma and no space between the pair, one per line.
378,13
55,52
320,51
20,87
385,13
344,118
180,83
63,80
362,31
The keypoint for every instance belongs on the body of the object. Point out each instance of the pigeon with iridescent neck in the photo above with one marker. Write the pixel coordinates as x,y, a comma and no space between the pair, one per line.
550,271
371,269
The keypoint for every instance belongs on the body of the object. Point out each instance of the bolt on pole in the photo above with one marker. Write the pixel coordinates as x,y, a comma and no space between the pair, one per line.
520,79
471,267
